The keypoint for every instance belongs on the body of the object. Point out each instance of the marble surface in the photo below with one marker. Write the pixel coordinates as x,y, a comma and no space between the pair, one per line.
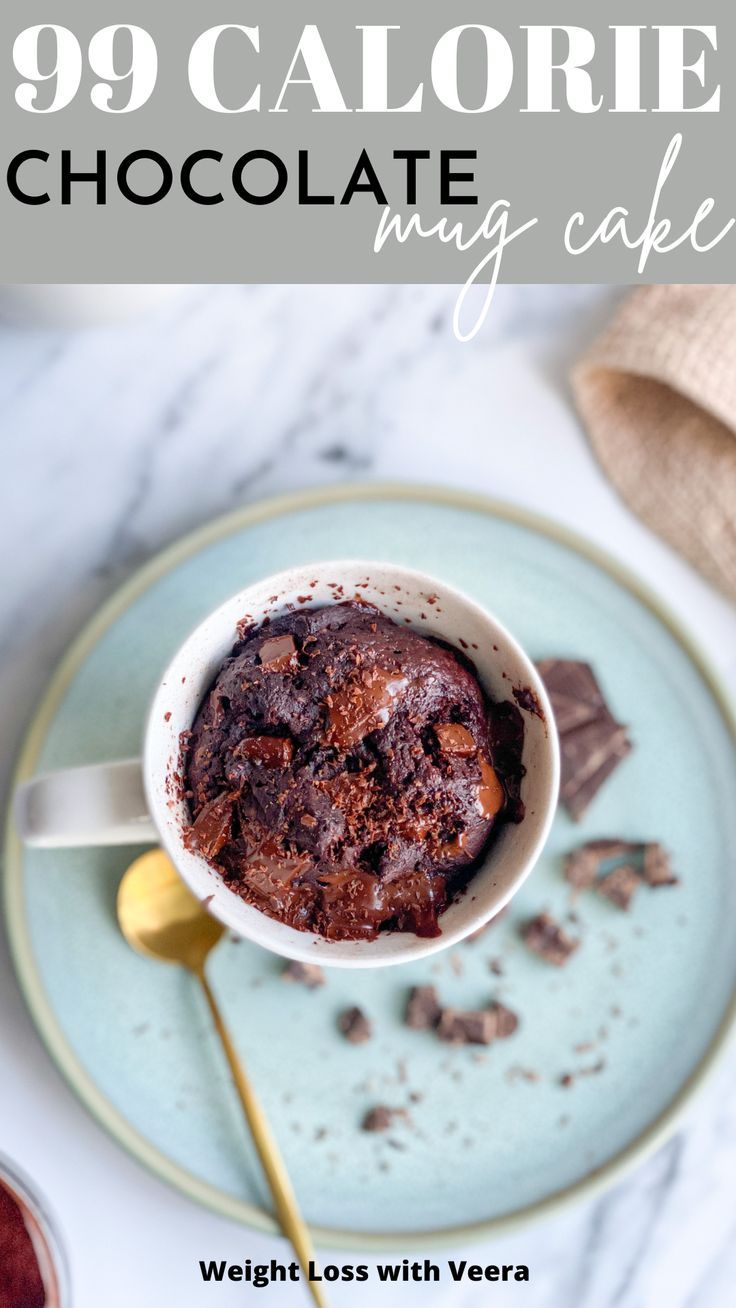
116,440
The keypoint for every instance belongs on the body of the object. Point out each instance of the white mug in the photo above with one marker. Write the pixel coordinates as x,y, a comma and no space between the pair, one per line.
139,802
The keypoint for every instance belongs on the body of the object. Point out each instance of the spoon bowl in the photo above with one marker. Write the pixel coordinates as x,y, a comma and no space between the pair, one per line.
161,918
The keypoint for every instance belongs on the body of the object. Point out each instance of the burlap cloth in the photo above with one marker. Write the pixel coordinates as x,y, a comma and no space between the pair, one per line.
657,394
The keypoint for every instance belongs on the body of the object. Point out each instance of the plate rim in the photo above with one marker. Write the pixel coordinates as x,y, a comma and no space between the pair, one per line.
41,1011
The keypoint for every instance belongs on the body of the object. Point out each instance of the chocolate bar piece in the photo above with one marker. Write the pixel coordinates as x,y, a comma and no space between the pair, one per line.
592,742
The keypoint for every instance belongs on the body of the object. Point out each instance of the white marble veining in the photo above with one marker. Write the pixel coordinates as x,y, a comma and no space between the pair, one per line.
116,440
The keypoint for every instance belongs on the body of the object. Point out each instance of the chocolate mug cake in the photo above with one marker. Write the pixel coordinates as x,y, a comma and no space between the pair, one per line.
345,774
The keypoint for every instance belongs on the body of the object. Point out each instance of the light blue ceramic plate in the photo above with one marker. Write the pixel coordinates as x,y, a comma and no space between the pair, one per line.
495,1137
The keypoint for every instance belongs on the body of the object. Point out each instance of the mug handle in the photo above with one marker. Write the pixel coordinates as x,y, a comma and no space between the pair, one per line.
104,804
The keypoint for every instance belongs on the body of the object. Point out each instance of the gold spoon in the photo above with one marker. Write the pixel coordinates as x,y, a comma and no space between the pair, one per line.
160,917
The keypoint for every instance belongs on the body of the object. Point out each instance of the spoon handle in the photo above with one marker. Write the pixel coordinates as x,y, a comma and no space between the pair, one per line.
290,1218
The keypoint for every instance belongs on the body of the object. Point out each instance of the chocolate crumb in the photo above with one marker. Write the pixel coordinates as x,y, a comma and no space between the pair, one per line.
467,1028
546,938
355,1026
423,1009
306,974
581,867
620,886
506,1021
519,1073
644,862
657,867
278,653
381,1118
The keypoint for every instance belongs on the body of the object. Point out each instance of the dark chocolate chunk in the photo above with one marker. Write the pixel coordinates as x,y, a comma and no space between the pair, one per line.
380,1118
620,885
575,689
364,705
581,868
506,1021
423,1009
611,848
306,974
455,739
467,1028
642,861
589,755
657,867
592,742
211,830
545,937
355,1026
278,653
269,751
